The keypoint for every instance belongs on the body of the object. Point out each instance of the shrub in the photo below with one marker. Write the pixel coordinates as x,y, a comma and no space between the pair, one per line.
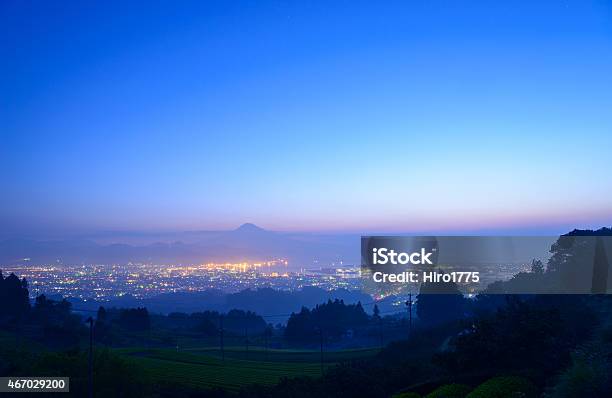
582,380
450,391
589,373
505,387
406,395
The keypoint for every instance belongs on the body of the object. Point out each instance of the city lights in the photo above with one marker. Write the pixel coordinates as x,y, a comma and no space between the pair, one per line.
106,281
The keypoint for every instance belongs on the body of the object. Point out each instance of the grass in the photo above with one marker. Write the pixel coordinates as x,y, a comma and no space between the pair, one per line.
203,368
287,355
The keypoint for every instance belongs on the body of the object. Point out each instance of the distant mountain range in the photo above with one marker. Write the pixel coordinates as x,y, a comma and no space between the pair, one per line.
246,243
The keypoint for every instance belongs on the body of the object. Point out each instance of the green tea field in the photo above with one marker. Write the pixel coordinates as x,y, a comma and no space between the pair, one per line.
205,368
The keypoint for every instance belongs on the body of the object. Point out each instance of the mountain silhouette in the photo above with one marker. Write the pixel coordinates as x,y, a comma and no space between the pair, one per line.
248,242
249,228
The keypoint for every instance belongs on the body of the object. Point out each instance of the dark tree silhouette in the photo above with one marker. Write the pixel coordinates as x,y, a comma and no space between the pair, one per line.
376,312
520,334
59,325
14,298
102,327
135,319
236,321
600,268
334,318
440,302
537,267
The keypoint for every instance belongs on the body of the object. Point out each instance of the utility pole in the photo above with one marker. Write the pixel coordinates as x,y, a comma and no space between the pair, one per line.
321,339
90,364
266,341
221,336
380,331
246,340
409,305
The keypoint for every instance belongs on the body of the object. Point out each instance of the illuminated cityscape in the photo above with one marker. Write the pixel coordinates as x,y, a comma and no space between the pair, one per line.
106,281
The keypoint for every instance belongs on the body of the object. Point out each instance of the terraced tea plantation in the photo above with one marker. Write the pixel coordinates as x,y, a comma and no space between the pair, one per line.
204,368
313,356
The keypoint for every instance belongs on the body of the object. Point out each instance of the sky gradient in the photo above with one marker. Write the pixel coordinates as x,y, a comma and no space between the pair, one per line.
307,116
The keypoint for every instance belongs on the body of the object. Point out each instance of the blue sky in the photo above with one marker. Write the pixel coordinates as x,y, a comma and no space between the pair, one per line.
317,116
